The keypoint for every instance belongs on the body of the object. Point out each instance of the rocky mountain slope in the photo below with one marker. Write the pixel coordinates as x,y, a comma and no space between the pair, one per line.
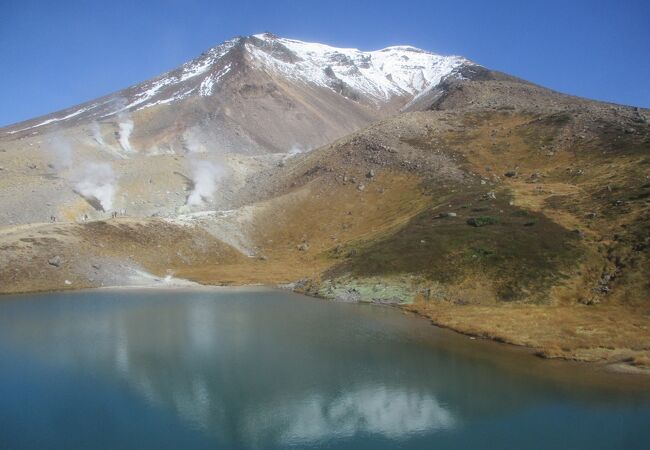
320,92
251,96
494,206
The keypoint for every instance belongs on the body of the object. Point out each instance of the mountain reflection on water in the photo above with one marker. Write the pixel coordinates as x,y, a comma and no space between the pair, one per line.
261,368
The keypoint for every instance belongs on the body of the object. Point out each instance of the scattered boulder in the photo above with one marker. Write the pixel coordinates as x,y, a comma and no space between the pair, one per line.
590,301
370,174
443,215
361,187
510,174
482,221
55,261
603,284
303,247
578,233
601,289
351,295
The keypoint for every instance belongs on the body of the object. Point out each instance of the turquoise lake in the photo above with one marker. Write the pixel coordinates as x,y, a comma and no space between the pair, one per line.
268,369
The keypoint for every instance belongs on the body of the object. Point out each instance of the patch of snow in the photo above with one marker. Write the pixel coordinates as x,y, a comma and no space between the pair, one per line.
380,75
431,86
203,63
56,119
207,85
151,91
189,70
194,69
168,100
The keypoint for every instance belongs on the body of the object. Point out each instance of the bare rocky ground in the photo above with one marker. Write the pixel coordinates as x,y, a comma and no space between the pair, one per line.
492,206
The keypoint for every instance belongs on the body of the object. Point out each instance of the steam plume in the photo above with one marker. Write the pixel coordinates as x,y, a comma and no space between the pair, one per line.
205,172
97,181
195,141
126,127
61,151
97,133
295,150
124,123
205,175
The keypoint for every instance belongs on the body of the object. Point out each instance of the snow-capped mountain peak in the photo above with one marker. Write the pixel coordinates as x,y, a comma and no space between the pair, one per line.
380,75
372,78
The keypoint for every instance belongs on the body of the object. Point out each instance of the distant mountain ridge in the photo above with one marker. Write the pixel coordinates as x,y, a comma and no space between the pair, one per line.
320,92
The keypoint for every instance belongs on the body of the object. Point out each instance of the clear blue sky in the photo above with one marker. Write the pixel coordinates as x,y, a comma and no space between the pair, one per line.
57,53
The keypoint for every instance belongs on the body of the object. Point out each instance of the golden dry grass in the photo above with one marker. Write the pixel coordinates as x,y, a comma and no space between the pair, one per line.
598,334
323,216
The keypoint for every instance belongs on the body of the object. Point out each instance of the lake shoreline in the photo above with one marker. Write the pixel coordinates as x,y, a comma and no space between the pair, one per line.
492,334
618,368
228,361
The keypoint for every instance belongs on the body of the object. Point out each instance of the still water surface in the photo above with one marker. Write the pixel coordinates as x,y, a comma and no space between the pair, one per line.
256,368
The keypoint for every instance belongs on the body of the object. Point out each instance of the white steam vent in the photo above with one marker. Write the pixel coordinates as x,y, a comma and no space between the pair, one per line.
97,181
205,176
